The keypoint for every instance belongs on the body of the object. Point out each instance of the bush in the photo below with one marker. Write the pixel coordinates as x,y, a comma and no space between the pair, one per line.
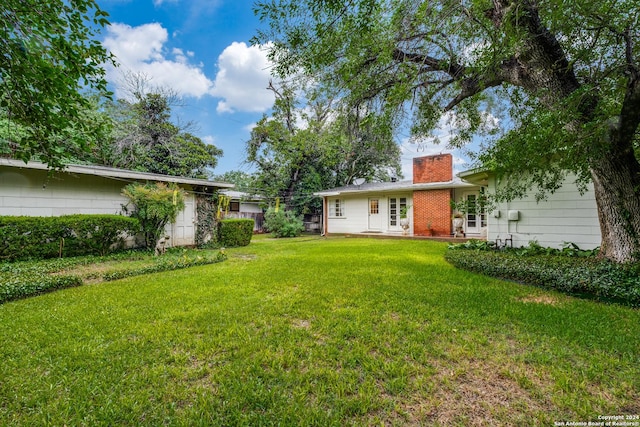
71,235
154,206
166,263
30,278
572,274
34,284
282,223
235,232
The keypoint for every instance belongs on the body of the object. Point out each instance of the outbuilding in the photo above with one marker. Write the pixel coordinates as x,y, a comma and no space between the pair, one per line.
31,189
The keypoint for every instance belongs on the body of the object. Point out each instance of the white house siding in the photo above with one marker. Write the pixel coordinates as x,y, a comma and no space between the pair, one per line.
30,192
356,214
354,218
565,216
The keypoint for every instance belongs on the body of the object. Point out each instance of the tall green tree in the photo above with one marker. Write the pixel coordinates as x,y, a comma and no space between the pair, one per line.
244,181
49,55
567,74
145,138
301,149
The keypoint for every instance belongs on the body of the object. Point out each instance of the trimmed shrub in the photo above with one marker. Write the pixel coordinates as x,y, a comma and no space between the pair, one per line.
282,223
570,274
70,235
166,263
34,284
235,232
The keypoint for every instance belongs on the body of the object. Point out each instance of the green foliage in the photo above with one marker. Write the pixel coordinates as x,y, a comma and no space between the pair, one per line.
50,54
154,206
17,287
24,279
70,235
243,181
567,270
206,234
282,223
145,139
167,263
235,232
330,146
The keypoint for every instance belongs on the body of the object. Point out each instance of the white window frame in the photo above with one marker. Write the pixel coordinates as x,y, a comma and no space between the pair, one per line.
336,208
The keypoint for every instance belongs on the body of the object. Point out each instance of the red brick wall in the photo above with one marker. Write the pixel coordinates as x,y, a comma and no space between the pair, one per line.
432,207
438,168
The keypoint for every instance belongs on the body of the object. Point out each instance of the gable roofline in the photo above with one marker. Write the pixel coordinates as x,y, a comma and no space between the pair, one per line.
389,187
107,172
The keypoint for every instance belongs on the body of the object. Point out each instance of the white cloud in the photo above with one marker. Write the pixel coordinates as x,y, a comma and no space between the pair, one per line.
139,50
242,79
210,140
158,3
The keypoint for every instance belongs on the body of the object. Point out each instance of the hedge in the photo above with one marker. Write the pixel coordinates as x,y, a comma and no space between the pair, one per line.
34,284
71,235
166,263
235,232
602,279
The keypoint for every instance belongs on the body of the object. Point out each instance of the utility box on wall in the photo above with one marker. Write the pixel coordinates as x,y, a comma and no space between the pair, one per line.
513,215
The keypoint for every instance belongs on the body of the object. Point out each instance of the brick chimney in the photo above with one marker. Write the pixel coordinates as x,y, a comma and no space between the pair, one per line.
438,168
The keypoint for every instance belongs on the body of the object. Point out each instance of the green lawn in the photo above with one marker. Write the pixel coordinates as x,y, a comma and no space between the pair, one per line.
313,331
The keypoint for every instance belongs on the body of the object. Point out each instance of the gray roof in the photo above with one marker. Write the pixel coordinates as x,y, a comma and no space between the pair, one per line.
117,173
388,187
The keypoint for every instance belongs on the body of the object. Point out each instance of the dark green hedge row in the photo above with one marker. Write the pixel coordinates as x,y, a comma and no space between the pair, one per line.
25,237
166,263
34,284
598,278
30,278
235,232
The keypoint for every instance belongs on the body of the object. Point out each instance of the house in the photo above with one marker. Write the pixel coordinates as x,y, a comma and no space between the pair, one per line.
30,189
565,216
428,198
244,205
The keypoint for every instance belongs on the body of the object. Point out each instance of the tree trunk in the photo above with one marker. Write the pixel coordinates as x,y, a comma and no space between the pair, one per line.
616,184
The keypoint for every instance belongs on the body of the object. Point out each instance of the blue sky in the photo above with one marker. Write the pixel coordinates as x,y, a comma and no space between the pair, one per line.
201,50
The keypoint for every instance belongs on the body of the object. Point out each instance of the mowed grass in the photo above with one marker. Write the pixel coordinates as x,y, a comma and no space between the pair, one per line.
314,331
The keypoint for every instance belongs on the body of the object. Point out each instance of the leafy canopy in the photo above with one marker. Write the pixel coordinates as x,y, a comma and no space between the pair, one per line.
313,142
552,73
50,55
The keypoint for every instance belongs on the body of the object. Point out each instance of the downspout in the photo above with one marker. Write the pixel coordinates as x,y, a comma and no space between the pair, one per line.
324,216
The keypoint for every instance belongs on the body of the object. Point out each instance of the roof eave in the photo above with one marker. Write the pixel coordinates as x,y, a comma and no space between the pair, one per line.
410,187
106,172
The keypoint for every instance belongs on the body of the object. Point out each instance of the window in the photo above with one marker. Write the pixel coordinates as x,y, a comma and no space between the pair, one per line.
393,211
336,208
234,206
374,206
396,205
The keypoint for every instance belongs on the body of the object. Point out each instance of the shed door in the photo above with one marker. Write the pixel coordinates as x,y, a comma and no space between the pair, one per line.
375,220
184,227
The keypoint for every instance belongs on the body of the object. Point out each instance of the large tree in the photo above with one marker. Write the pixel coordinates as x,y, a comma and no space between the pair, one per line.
566,73
145,138
48,56
313,143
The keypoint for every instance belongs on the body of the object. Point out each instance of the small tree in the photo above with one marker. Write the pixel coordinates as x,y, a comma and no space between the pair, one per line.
154,206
